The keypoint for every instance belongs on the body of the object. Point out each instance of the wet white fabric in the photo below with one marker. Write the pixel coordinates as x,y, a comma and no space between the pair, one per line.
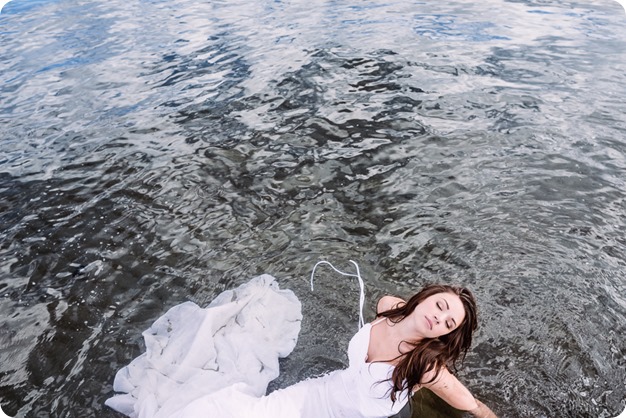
360,391
191,351
216,362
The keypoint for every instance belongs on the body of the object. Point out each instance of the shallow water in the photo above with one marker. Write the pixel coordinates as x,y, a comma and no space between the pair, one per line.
155,152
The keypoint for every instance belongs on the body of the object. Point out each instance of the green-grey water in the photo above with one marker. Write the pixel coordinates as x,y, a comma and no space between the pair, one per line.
155,152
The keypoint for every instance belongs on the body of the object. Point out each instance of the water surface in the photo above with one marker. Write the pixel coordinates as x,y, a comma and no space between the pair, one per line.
155,152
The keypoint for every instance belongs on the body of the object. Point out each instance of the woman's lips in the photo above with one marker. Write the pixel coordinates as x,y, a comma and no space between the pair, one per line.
430,324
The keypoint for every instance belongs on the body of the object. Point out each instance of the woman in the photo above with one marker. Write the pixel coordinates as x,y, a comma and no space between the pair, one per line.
423,338
217,361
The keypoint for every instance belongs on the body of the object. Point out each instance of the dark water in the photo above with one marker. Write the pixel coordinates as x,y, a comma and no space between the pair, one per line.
161,151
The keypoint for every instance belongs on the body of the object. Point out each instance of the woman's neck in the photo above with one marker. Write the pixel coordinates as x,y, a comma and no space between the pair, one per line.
402,331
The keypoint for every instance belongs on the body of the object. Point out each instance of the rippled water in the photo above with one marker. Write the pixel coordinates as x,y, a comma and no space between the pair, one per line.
155,152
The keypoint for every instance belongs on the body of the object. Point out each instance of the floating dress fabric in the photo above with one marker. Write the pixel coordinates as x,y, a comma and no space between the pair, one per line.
216,363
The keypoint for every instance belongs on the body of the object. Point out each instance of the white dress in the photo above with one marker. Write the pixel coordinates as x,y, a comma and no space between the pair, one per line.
216,362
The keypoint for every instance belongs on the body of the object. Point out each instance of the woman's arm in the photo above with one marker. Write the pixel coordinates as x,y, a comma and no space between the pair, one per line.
482,411
448,388
388,302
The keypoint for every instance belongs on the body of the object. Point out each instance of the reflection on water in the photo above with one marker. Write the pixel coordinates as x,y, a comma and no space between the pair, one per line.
157,152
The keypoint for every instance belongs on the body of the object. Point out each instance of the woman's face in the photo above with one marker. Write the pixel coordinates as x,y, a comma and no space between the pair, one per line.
438,315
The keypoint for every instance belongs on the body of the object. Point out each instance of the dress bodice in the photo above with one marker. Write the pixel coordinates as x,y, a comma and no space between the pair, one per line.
359,345
363,389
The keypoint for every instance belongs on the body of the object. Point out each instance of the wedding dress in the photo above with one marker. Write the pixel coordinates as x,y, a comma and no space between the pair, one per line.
216,362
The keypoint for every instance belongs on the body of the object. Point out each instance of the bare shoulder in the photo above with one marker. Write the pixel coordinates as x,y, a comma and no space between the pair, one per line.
389,302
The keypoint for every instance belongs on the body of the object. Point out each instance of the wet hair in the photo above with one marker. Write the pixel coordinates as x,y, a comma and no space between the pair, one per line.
432,353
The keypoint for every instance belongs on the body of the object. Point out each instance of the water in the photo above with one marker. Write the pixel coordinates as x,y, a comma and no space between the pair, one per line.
155,152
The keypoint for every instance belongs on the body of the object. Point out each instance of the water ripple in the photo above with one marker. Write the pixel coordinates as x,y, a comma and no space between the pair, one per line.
157,152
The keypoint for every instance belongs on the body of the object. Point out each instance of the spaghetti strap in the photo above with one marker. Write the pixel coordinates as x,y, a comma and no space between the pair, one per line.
361,285
379,320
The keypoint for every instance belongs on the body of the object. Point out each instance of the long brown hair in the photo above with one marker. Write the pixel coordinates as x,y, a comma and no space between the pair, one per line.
432,353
